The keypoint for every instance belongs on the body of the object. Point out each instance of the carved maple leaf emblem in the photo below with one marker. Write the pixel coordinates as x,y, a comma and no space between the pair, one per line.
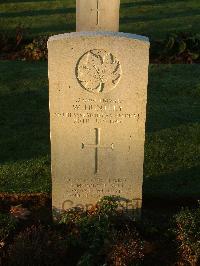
98,71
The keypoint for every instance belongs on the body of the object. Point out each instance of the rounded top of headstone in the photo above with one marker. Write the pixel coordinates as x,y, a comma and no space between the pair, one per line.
99,33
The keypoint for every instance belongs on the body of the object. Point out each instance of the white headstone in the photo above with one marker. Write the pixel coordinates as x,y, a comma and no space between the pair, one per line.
98,95
97,15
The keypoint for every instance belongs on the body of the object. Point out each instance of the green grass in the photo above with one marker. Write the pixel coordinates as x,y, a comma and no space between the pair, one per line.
24,123
172,150
172,157
154,18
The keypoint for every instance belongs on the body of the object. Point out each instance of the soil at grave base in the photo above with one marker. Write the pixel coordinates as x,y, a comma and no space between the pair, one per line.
28,200
158,250
44,199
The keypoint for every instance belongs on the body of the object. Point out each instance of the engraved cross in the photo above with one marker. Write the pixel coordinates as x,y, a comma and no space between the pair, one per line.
98,12
97,146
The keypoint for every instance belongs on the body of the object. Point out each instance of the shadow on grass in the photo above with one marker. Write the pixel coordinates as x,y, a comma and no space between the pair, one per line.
24,126
20,1
41,12
123,5
162,117
173,96
151,17
68,27
181,188
49,30
148,3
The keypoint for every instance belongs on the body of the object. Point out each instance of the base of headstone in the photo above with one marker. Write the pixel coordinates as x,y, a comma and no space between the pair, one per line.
129,209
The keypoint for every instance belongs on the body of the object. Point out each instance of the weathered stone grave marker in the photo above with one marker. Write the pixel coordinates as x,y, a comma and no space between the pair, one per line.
97,15
98,94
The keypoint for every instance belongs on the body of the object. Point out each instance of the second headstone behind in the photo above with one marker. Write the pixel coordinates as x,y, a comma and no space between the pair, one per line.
97,15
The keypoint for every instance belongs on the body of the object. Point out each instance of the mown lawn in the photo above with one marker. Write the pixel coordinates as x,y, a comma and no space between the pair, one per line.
154,18
172,151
